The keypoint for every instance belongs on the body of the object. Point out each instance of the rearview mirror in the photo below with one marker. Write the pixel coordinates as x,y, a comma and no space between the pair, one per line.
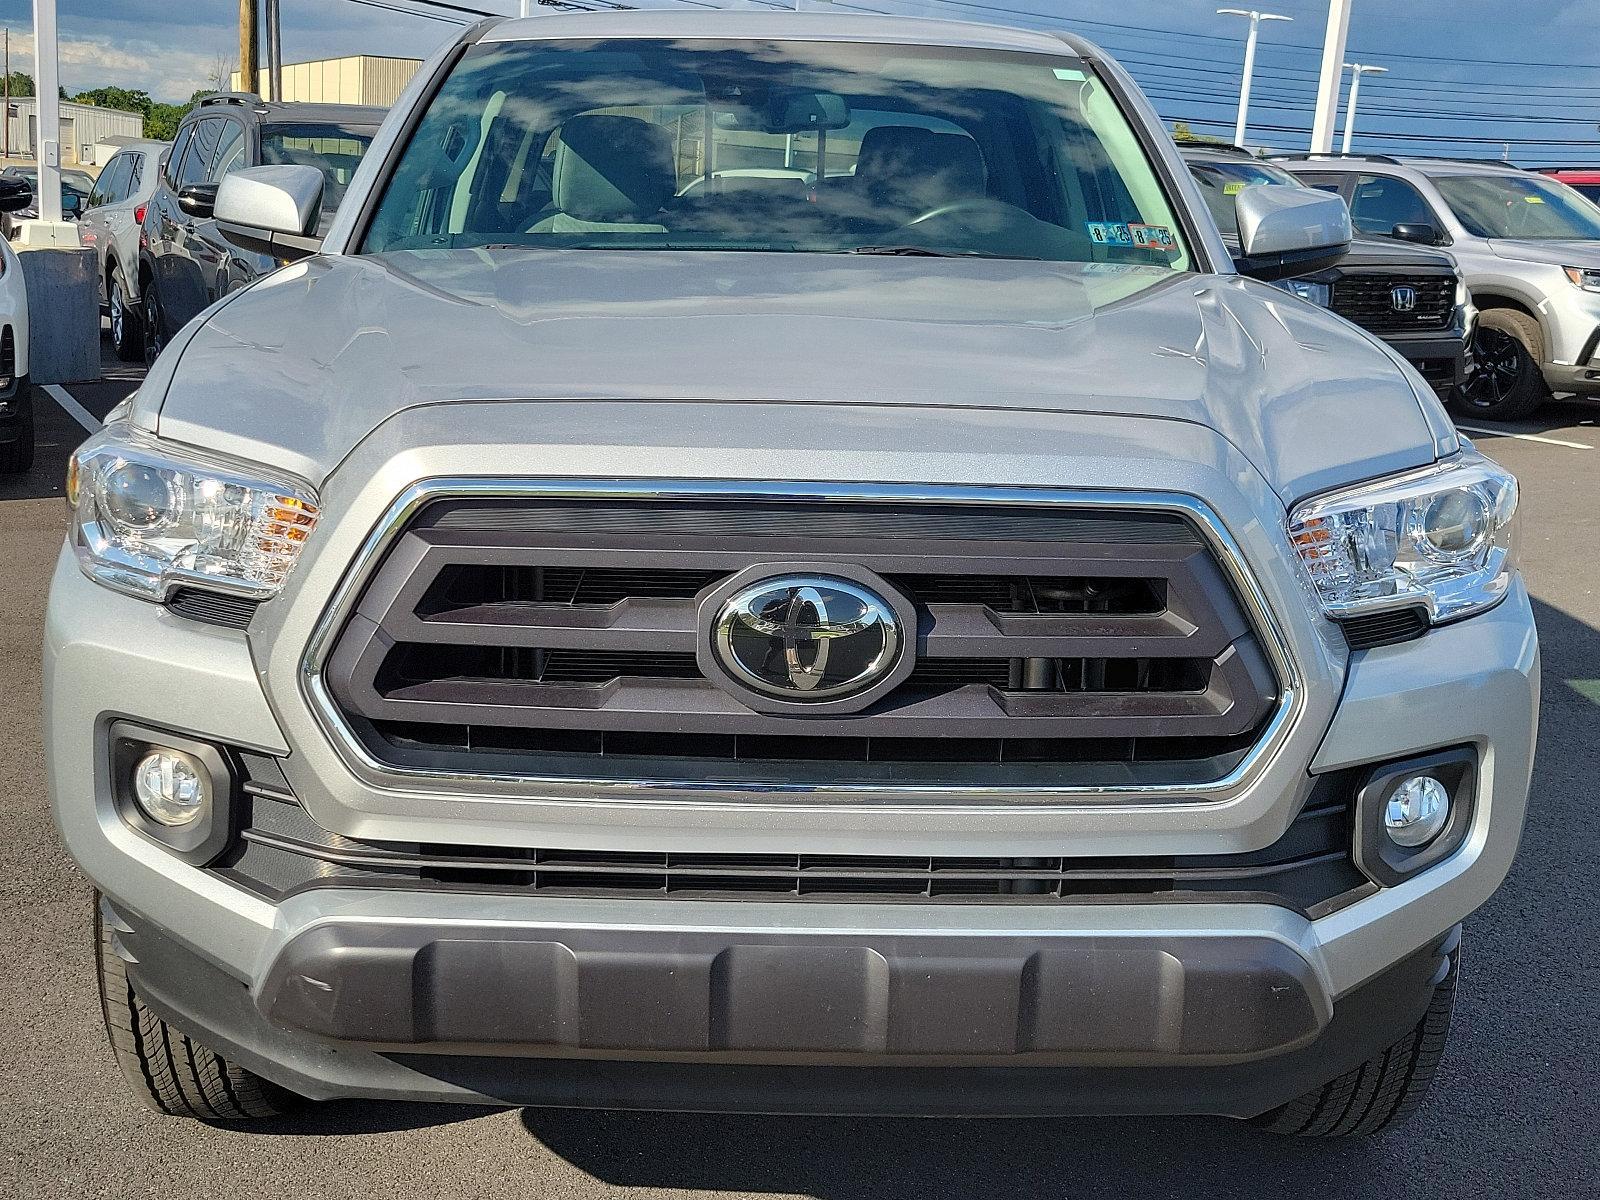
806,112
1419,232
1289,231
272,210
14,193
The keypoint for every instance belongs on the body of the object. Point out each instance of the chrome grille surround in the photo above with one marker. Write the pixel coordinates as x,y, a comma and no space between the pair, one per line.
719,792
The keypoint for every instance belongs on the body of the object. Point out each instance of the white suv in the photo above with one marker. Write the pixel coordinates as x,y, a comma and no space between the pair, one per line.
1529,247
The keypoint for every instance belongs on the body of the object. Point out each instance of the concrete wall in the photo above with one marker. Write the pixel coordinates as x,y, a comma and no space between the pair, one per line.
357,79
82,126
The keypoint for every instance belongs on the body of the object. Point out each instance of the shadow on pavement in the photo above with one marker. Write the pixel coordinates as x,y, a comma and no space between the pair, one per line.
343,1117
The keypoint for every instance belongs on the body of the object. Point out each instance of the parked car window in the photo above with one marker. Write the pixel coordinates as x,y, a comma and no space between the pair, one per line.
1381,203
112,185
1510,206
169,169
954,150
230,150
1221,182
335,150
1323,183
135,173
197,162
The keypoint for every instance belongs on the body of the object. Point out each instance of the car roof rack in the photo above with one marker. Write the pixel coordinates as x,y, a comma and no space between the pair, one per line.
1219,147
243,99
1456,158
1308,156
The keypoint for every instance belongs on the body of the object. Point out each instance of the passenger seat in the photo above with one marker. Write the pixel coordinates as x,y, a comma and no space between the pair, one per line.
610,175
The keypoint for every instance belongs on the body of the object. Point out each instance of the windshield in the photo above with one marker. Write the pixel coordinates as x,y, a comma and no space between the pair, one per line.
335,150
1221,182
1506,206
780,146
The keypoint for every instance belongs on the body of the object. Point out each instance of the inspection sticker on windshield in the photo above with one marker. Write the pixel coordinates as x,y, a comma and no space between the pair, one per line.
1152,237
1068,75
1110,233
1234,188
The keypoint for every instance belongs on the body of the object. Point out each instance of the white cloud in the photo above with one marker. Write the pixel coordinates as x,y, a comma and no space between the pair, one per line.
161,70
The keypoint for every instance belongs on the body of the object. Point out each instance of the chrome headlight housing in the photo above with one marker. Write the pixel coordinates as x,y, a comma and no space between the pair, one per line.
1586,278
148,516
1320,294
1442,539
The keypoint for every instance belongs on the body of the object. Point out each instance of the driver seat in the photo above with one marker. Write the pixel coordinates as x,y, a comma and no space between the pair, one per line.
905,171
610,175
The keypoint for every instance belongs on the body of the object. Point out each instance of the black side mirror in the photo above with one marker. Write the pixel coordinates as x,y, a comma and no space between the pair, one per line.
14,194
1419,232
198,199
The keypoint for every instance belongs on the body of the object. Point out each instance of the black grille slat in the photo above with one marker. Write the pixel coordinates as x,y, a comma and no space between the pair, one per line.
1310,868
517,631
1367,300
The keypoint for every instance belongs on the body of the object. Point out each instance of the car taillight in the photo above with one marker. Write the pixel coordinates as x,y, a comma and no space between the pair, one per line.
138,214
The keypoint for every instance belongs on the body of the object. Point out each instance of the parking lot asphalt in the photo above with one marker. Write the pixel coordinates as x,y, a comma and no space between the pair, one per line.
1516,1111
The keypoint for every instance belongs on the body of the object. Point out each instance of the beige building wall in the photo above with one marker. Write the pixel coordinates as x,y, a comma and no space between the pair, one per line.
357,79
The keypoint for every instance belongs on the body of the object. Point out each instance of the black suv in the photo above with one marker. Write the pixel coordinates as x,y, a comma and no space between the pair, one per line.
184,262
1409,295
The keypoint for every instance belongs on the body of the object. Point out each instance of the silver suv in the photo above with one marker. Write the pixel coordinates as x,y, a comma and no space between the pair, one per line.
1529,247
773,561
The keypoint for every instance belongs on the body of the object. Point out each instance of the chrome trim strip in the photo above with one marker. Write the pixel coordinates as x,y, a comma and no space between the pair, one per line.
316,694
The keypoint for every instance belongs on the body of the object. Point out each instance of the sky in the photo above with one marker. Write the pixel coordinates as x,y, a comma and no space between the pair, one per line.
1478,77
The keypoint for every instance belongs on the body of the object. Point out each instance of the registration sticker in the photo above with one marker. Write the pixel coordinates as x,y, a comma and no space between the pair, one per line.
1234,188
1110,233
1534,199
1153,237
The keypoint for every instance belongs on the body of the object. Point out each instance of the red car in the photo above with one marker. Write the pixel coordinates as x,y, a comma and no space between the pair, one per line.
1584,179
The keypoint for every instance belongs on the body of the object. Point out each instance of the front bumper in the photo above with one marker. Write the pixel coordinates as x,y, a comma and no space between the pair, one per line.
1444,359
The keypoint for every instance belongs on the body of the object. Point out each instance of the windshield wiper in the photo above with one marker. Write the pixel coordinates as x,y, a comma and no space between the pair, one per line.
926,252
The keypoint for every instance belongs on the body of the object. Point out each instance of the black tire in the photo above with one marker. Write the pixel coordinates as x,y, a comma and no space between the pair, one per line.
169,1072
154,330
1507,383
16,456
127,325
1383,1092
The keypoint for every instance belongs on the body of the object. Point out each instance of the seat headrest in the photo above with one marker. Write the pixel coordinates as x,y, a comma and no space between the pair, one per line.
906,164
610,168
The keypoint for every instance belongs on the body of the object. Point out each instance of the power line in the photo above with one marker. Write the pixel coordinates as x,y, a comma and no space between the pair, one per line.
409,12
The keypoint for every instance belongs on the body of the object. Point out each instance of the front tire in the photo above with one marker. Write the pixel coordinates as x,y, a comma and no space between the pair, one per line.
167,1070
127,327
154,335
1507,383
1383,1092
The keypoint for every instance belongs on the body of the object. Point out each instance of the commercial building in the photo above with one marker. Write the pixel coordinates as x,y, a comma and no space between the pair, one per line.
83,126
357,79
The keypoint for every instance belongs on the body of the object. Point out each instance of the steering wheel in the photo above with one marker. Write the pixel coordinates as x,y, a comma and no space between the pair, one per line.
972,204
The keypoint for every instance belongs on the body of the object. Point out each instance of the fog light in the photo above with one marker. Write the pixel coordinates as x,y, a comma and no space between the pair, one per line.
1417,811
171,787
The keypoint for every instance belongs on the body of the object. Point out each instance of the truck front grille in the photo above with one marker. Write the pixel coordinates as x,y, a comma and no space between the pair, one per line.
1369,300
558,638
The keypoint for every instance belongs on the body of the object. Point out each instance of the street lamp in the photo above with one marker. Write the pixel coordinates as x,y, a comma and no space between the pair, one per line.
1357,70
1249,61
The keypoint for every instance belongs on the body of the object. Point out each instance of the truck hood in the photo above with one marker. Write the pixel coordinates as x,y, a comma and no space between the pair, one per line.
301,367
1575,253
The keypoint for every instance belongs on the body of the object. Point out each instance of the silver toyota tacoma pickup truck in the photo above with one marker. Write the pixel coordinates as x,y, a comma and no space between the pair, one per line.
776,562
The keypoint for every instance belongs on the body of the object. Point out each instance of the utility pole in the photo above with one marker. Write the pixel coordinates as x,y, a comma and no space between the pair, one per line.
274,51
1249,62
248,61
1331,76
46,77
525,9
1357,70
8,92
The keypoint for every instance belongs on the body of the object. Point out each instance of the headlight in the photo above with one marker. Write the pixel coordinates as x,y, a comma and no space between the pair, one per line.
1320,294
1441,539
148,516
1585,277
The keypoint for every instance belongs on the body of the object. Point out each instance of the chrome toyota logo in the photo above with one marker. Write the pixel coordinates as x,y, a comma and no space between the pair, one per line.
806,638
1404,299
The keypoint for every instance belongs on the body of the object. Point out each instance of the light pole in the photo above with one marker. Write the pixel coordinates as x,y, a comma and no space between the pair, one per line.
1330,76
1357,70
1249,61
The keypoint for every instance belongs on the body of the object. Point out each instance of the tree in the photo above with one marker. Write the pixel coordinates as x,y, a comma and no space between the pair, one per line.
121,99
21,84
161,122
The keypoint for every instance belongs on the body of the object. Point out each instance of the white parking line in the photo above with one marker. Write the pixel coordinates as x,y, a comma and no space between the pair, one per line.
76,411
1523,437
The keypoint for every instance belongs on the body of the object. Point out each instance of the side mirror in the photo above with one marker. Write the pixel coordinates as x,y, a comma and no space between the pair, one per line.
198,199
1419,232
1289,231
272,210
15,194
